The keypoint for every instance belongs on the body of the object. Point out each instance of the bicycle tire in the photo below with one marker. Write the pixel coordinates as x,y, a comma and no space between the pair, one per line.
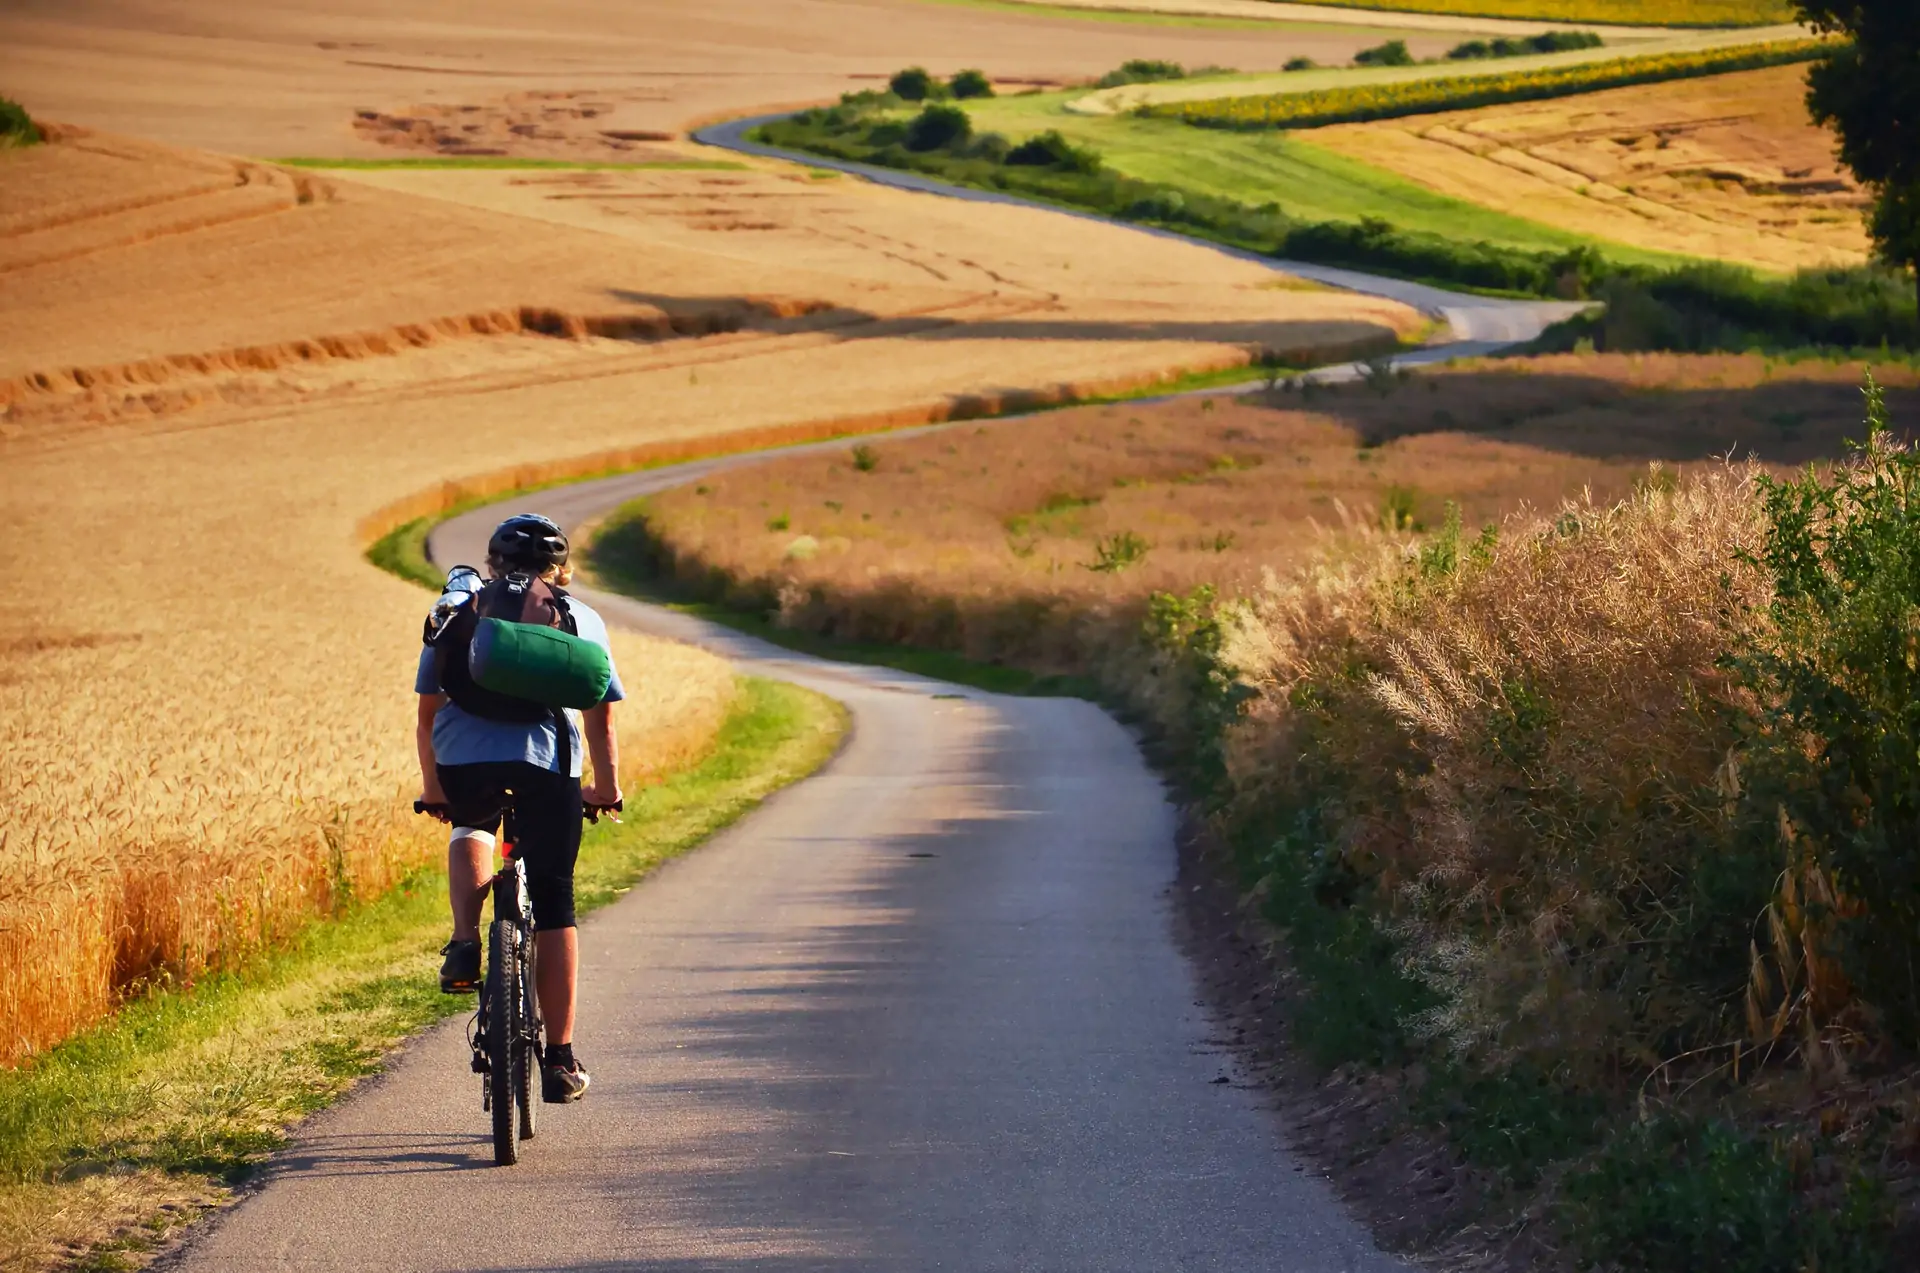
528,1037
503,1030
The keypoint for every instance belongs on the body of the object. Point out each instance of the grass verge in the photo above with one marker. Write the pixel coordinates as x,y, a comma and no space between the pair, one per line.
434,162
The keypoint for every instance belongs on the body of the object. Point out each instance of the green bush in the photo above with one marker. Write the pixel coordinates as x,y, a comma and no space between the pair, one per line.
16,126
1547,42
968,84
1673,1197
1392,53
939,128
1142,71
911,85
1837,685
1300,64
1709,307
992,147
1051,150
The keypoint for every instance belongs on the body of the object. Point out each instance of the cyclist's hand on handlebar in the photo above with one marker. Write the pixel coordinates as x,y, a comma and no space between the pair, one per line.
596,800
436,809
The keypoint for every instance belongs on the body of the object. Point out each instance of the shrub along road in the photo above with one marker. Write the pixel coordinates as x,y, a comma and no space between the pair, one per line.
923,1010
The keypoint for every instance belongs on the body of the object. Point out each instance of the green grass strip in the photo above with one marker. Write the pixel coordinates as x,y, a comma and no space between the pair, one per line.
437,162
1362,103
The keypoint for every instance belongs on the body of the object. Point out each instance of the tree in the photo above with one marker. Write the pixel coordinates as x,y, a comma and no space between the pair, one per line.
912,84
938,128
971,84
1869,91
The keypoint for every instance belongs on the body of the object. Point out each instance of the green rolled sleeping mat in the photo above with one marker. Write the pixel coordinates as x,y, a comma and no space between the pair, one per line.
540,664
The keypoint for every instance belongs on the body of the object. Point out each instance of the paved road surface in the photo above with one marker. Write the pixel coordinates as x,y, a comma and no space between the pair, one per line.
1480,324
920,1012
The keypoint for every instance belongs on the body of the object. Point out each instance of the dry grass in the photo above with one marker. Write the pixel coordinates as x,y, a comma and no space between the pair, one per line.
1726,167
1520,767
984,539
210,741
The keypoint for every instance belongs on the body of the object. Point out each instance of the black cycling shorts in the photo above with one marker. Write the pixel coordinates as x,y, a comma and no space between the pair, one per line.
546,821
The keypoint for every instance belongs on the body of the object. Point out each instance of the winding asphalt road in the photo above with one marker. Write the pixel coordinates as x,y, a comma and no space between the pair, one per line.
923,1011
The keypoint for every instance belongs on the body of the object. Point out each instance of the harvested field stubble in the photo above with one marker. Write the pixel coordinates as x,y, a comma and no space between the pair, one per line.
214,745
1727,167
588,79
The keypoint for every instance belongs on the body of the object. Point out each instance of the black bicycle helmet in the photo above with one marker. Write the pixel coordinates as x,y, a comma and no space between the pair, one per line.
528,541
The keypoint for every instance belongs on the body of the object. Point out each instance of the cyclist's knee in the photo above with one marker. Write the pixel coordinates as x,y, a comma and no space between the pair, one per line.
552,898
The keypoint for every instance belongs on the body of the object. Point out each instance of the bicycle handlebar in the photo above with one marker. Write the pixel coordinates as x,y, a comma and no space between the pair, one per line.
591,812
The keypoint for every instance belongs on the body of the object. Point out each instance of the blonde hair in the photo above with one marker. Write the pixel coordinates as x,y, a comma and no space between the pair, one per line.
560,576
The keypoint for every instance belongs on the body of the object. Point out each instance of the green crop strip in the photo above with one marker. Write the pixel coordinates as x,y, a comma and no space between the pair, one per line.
1361,103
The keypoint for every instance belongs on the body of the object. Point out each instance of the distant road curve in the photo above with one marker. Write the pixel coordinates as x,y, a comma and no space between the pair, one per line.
1480,324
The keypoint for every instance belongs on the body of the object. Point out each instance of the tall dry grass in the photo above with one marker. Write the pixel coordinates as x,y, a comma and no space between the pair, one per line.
1515,745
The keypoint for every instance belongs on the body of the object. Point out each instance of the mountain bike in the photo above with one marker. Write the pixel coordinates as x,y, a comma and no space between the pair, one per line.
505,1034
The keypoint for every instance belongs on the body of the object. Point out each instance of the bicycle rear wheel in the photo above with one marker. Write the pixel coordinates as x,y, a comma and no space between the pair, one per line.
504,1053
528,1040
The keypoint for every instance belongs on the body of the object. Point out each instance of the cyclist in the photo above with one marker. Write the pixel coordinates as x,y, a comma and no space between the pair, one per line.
472,768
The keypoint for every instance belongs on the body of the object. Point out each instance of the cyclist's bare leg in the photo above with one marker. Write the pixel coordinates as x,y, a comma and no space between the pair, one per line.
556,973
469,867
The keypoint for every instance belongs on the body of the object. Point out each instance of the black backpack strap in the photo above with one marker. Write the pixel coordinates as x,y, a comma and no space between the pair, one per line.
563,603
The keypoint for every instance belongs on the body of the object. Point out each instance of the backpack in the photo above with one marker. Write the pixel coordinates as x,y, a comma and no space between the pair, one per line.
512,650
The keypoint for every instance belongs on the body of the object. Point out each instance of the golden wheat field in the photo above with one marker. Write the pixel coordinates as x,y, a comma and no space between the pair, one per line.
1008,540
289,78
218,378
1727,167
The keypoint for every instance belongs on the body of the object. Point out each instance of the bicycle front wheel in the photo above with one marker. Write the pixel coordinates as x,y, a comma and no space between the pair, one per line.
528,1043
504,1031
